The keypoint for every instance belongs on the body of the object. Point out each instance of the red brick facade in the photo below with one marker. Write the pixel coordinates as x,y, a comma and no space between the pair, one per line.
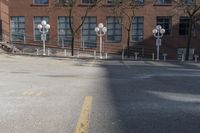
149,11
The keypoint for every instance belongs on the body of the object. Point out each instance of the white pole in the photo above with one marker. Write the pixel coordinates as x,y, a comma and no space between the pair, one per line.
100,45
43,39
158,52
44,52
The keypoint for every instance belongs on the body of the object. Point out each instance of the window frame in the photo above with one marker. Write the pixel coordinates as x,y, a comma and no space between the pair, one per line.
168,31
162,3
90,2
132,29
114,29
40,3
66,35
91,32
186,30
16,30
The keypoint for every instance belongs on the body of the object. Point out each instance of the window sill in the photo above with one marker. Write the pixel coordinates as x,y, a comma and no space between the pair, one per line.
39,5
140,41
112,41
86,5
162,5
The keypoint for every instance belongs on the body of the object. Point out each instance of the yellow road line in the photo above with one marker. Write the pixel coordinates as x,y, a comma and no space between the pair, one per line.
83,122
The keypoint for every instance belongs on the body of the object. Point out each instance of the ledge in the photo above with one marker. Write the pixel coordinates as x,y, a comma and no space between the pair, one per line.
162,4
39,5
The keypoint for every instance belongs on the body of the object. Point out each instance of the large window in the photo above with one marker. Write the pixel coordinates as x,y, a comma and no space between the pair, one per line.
114,33
40,1
183,25
38,20
88,34
137,29
64,32
17,28
166,23
163,2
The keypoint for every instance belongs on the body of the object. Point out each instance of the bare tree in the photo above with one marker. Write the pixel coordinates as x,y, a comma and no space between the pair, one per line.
190,8
124,10
75,23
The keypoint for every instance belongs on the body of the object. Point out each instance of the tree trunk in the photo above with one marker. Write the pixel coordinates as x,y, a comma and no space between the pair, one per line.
128,44
189,39
72,46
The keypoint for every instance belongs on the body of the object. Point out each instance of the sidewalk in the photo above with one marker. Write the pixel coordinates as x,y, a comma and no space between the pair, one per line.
111,60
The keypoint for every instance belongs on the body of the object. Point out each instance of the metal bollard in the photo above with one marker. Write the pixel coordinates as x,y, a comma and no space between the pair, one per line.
106,55
164,55
95,54
136,55
123,55
196,58
48,51
65,52
78,54
37,51
153,56
182,57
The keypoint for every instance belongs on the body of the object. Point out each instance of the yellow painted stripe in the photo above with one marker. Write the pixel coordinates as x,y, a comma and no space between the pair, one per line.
83,122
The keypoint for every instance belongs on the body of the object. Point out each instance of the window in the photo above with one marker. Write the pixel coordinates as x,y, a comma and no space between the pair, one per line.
88,1
88,34
64,32
40,1
137,29
138,2
114,32
17,28
163,2
188,2
65,2
38,20
166,23
114,1
183,25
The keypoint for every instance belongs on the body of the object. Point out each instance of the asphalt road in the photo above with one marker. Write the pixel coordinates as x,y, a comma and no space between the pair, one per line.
47,95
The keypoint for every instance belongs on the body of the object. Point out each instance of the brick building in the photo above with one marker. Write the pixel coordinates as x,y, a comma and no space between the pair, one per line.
19,20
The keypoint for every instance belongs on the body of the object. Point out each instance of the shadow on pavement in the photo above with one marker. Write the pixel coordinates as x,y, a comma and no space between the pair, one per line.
166,101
